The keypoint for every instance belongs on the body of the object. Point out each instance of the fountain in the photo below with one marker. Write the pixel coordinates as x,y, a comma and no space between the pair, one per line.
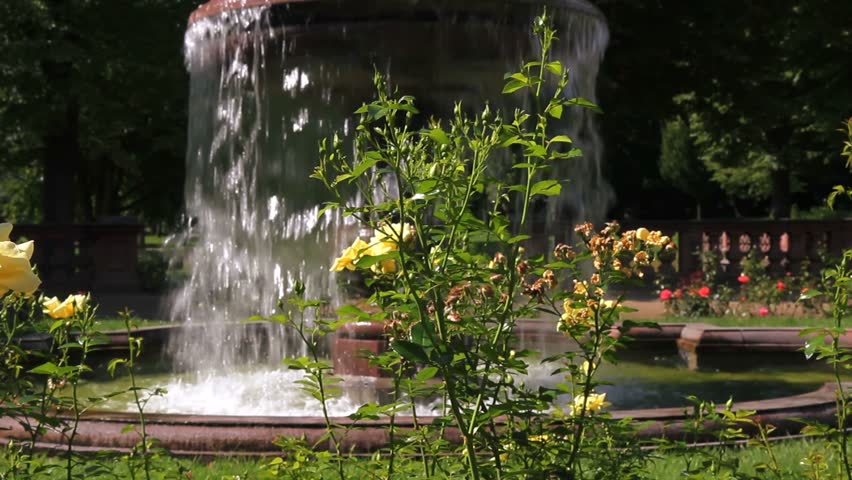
270,79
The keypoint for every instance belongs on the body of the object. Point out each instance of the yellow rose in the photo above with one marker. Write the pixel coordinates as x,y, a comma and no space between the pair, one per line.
608,304
642,233
575,316
56,309
80,301
350,255
16,274
393,232
386,266
593,403
378,247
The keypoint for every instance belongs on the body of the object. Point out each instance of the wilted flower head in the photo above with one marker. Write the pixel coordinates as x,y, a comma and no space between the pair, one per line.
564,252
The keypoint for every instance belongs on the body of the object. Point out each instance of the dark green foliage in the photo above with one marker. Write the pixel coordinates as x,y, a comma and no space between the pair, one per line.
92,103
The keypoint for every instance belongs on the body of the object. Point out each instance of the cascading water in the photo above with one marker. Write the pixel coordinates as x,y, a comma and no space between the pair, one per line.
264,90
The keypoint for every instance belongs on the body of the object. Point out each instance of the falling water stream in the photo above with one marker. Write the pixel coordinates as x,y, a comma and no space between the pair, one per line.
263,92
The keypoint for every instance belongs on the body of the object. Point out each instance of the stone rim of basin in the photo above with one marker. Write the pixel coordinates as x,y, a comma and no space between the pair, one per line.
321,9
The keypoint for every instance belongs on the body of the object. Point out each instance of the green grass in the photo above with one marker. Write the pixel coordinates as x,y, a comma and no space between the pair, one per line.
106,324
154,241
793,458
768,321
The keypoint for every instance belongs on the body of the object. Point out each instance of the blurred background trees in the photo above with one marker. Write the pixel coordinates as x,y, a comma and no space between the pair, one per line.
712,109
92,109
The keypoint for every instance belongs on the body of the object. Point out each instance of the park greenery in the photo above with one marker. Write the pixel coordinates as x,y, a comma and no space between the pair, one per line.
450,281
93,108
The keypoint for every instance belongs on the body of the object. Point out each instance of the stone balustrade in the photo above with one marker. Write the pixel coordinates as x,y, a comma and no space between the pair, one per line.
782,245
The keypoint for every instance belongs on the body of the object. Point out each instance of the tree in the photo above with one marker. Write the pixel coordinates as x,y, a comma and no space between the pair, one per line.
774,85
679,163
93,99
761,85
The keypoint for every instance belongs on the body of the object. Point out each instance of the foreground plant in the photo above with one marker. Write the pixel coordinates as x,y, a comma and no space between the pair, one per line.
838,287
446,266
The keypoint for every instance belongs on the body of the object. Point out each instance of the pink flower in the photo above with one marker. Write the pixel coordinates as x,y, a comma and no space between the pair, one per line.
780,286
666,294
805,289
763,311
704,291
743,278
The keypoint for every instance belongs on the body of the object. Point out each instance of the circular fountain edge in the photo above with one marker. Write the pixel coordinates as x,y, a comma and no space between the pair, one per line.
215,436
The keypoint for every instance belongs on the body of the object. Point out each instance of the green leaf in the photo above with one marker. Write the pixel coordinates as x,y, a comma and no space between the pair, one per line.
329,206
47,368
535,150
439,136
410,351
369,411
517,238
350,311
370,158
812,345
426,186
547,188
555,111
810,293
582,102
426,374
561,139
420,336
514,85
554,67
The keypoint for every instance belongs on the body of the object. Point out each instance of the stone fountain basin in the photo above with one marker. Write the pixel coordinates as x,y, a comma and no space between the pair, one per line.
212,436
226,435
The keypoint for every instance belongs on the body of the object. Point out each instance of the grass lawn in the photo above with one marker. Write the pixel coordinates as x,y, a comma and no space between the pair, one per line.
792,457
106,324
768,321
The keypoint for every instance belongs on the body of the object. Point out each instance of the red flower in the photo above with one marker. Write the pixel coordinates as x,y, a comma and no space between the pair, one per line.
743,278
678,293
704,291
805,289
780,286
666,294
763,311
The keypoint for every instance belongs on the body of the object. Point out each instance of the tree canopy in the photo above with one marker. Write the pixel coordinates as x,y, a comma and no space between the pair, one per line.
93,101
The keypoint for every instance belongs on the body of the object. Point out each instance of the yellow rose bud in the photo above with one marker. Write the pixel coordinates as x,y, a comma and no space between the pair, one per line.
56,309
642,233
